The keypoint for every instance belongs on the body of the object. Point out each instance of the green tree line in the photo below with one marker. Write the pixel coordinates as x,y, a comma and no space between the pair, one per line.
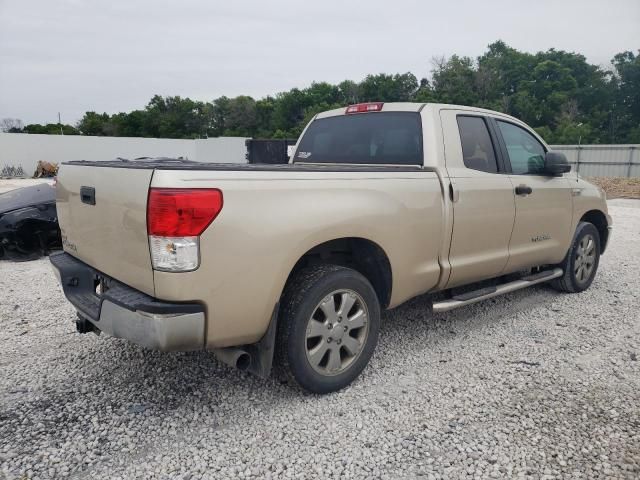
559,93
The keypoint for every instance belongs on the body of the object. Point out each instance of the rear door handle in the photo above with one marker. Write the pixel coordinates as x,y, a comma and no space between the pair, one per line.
523,190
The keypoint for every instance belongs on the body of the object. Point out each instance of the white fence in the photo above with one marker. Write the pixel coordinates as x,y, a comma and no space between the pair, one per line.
20,152
603,160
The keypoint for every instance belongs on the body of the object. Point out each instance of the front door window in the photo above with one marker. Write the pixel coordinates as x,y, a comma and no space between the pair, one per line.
526,153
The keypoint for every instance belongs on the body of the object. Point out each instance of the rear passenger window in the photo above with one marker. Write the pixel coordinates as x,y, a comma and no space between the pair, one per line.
477,148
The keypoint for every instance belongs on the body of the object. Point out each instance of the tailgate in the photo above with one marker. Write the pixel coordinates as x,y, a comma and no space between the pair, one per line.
106,226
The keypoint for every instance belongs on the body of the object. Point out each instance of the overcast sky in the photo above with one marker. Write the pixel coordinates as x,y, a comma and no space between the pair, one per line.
71,56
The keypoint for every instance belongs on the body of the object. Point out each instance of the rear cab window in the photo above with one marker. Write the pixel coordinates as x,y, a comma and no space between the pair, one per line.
380,138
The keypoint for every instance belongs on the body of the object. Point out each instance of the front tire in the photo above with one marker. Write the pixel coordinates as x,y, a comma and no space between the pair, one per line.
328,327
581,263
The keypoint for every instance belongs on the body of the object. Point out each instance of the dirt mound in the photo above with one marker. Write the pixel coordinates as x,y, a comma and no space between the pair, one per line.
618,187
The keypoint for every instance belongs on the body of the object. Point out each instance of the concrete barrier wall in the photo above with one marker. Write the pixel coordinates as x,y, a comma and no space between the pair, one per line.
23,151
20,150
220,150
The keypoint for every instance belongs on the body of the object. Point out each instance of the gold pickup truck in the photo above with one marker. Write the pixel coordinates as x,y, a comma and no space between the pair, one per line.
293,263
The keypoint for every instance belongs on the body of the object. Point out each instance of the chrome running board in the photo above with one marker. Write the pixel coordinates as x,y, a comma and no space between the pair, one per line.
490,292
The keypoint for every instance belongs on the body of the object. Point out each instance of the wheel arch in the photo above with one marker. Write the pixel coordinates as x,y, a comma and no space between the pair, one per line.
599,220
363,255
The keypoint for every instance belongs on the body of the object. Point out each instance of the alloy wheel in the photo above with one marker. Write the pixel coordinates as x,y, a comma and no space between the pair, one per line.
336,332
585,258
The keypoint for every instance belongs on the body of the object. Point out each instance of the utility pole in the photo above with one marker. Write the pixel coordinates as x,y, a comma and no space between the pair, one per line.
60,123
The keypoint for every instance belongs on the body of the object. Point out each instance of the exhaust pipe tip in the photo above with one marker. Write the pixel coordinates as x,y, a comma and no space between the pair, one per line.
243,362
234,357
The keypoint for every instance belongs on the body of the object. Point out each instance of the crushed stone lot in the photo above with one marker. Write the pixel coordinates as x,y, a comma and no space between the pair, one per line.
534,384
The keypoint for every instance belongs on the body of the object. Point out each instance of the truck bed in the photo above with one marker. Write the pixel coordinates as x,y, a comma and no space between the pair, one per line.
272,216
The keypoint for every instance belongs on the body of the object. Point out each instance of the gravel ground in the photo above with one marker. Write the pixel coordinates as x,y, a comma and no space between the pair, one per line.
534,384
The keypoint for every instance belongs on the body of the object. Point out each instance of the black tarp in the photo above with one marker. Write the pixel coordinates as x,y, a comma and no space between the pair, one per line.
28,222
268,151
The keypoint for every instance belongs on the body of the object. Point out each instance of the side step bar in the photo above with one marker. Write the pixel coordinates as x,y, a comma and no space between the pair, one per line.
490,292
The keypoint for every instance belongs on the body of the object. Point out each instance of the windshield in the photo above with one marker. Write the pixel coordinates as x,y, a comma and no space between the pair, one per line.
368,138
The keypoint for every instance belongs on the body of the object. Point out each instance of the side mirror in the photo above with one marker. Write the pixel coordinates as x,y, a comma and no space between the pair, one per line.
555,164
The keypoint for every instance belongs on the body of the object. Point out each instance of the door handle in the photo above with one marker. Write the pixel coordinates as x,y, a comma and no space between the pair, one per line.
88,195
454,194
523,190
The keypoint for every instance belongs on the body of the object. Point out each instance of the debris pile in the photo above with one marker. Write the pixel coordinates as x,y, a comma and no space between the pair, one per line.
46,169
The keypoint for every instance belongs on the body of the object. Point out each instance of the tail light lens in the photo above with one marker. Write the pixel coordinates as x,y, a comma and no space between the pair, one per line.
176,217
180,212
174,254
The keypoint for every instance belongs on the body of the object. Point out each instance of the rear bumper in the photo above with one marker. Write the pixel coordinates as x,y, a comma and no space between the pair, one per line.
121,311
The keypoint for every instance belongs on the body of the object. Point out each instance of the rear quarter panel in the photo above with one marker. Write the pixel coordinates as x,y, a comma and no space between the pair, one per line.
271,219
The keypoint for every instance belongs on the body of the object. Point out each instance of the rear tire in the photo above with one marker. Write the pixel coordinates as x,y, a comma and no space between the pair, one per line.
328,327
582,260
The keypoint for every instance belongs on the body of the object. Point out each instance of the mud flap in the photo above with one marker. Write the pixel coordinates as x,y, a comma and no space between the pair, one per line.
262,352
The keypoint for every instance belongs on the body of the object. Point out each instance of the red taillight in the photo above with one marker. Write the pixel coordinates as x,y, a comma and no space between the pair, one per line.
365,107
182,212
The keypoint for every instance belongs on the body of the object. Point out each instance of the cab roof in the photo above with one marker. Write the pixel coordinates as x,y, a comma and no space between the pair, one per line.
415,107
